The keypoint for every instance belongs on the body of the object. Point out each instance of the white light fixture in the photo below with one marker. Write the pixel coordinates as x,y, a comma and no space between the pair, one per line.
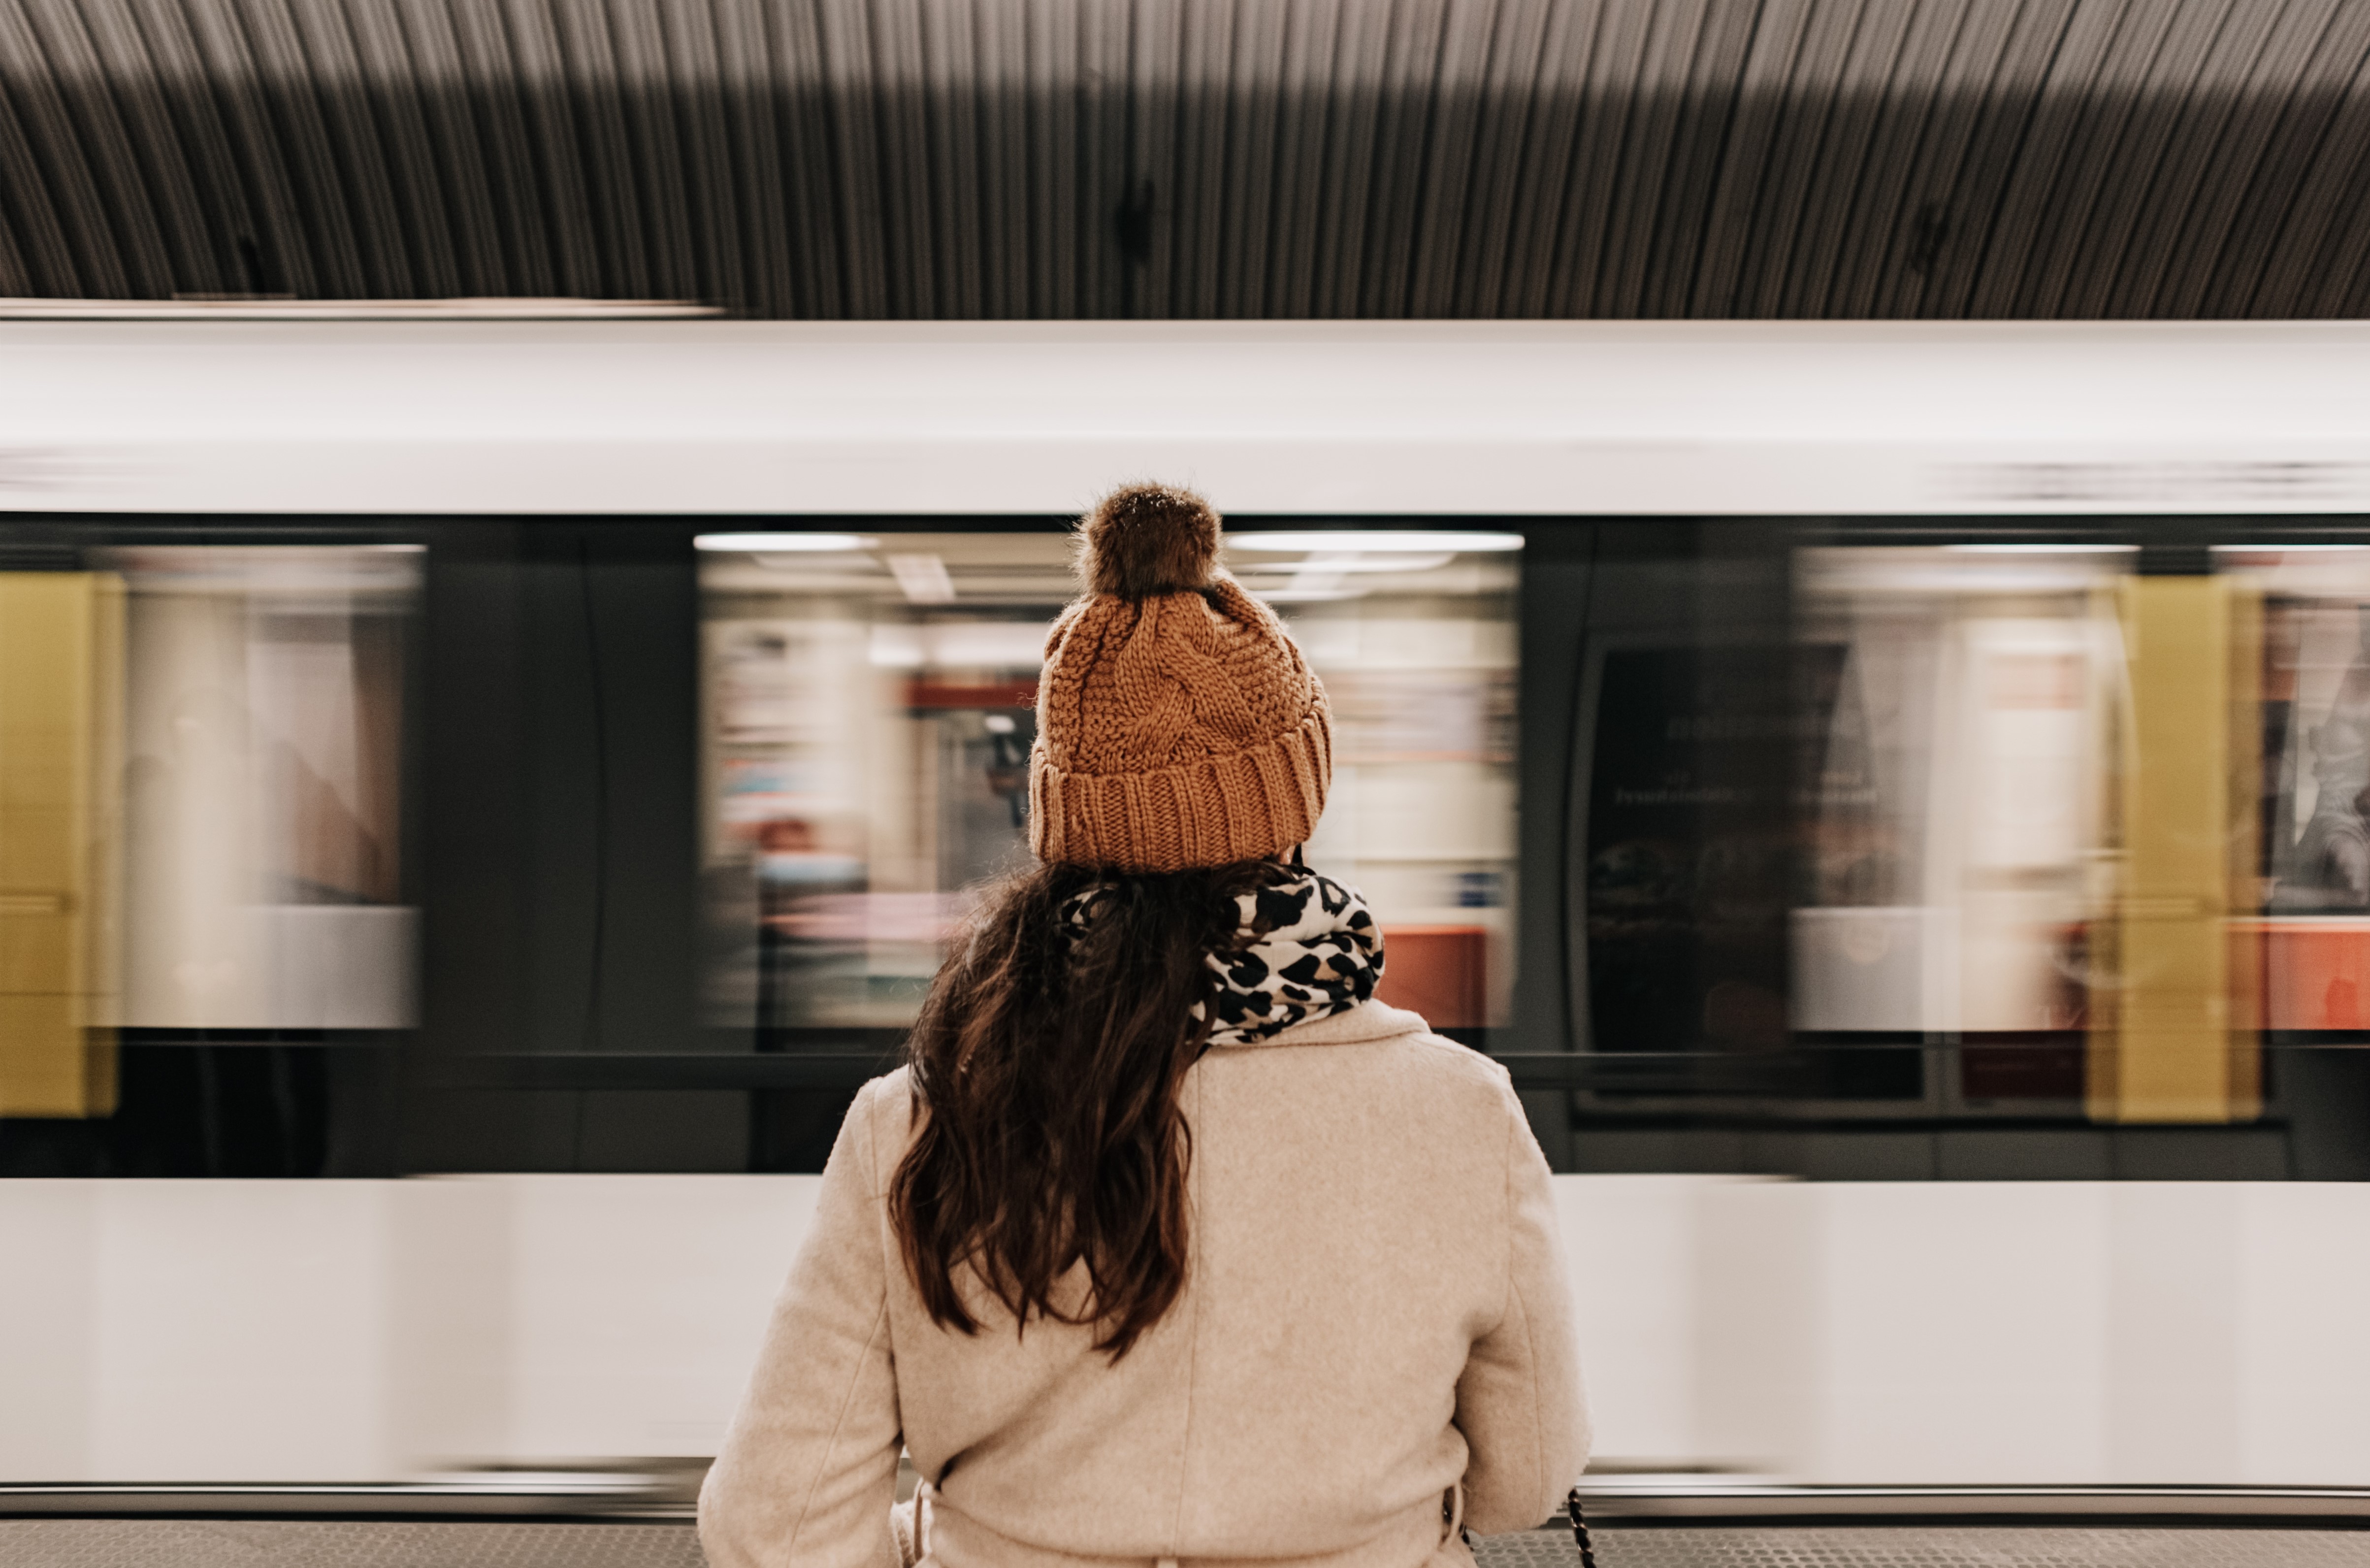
923,579
1392,561
2284,550
2043,549
783,544
1333,541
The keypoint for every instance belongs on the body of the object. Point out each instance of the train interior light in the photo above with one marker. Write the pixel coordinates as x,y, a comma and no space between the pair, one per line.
1373,541
783,544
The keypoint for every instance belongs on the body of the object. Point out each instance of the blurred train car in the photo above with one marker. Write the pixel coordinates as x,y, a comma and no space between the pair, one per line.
1898,799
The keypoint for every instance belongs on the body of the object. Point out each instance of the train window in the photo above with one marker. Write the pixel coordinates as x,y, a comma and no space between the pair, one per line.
1958,806
2096,816
1415,636
1678,869
869,704
202,880
2305,611
1891,836
262,778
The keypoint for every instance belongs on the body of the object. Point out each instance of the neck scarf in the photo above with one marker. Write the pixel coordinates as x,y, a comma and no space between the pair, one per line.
1306,947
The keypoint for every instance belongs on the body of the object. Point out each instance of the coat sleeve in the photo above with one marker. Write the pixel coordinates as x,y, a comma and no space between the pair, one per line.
809,1466
1519,1402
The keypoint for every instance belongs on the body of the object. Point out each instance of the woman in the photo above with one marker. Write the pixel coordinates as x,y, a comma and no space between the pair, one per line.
1169,1244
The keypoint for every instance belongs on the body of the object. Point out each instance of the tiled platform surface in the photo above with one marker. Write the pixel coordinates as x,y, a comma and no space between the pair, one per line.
309,1543
1901,1546
248,1543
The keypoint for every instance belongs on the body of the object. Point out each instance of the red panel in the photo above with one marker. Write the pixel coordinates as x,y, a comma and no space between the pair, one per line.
994,693
2316,973
1441,971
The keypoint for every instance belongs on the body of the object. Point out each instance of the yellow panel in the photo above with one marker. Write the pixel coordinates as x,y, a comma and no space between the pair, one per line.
37,944
45,1070
2174,1039
61,714
37,850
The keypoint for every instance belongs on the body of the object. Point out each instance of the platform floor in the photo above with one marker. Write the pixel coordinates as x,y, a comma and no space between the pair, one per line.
1913,1546
249,1543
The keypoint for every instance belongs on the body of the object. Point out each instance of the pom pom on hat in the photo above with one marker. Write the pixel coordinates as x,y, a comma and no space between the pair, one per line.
1142,541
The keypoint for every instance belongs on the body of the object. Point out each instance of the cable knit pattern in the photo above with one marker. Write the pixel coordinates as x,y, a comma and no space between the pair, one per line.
1176,731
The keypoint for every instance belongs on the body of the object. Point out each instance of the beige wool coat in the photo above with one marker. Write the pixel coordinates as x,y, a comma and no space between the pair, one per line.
1375,1332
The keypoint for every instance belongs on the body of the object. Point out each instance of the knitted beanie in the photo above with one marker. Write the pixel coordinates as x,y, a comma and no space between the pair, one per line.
1177,724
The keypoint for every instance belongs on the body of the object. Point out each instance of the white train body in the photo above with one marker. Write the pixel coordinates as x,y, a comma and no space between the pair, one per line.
1908,1332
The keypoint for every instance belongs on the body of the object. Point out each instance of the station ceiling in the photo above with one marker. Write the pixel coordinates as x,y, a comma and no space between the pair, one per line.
1052,158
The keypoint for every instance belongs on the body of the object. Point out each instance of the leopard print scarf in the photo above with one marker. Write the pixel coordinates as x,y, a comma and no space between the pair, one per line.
1306,948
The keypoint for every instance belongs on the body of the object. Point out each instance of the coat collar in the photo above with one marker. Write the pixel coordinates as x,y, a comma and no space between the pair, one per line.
1369,1020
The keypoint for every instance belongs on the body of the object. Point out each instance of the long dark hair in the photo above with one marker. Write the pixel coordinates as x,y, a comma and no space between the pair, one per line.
1047,1064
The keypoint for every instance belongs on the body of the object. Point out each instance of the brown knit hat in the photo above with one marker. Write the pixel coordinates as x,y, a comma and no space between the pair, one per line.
1177,724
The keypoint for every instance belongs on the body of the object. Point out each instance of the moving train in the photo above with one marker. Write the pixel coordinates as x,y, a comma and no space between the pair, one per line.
1904,753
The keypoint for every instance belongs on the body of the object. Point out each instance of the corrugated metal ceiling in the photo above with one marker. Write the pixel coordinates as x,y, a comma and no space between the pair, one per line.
1201,157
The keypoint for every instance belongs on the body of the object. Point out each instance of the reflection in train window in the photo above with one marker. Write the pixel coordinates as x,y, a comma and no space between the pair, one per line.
1687,846
869,704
